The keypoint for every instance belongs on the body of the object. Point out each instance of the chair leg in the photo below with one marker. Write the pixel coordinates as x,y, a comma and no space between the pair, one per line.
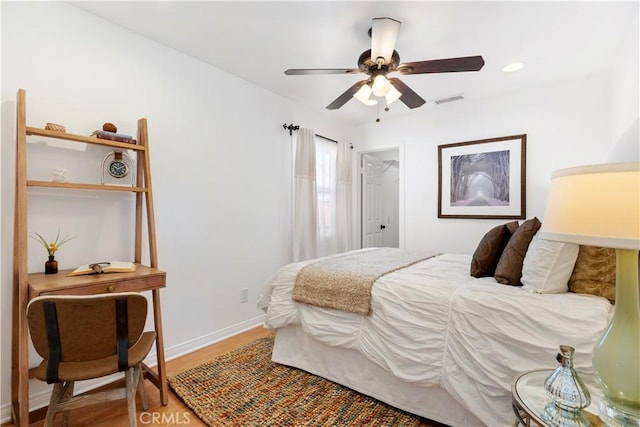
142,389
59,392
68,395
130,380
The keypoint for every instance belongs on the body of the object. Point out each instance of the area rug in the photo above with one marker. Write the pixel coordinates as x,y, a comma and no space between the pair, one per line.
244,388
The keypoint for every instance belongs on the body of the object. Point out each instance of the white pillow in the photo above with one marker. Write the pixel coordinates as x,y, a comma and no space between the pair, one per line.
548,265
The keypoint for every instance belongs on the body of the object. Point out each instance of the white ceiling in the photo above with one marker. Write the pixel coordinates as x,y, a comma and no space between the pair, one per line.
257,41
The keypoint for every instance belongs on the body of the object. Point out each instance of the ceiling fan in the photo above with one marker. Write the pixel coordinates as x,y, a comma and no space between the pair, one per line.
383,59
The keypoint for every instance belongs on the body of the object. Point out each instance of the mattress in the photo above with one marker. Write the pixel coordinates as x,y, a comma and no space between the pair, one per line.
433,325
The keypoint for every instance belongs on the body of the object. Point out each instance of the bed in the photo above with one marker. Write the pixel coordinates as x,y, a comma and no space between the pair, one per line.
437,342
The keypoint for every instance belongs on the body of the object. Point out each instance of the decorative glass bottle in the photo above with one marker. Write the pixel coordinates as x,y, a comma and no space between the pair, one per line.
51,266
564,386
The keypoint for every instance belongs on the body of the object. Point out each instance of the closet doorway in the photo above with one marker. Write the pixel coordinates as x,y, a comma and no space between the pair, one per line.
380,199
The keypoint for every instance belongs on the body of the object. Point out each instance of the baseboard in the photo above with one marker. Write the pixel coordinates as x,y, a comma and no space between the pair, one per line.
205,340
41,399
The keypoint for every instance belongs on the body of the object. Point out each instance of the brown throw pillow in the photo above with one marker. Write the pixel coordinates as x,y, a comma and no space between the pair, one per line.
595,272
509,268
486,256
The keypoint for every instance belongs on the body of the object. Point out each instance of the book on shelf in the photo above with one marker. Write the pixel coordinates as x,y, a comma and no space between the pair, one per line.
112,136
104,267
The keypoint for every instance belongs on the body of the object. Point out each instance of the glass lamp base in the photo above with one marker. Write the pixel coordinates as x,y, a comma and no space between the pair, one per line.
616,357
614,417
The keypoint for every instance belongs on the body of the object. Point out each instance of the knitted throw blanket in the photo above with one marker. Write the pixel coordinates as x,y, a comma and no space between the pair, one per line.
344,282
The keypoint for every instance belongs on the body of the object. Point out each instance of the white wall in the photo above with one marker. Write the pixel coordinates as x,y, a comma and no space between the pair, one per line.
567,123
625,111
220,165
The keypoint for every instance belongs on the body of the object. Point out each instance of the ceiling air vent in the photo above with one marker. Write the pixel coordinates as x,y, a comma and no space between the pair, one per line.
449,99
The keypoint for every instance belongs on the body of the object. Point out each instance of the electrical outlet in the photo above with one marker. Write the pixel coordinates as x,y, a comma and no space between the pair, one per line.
244,295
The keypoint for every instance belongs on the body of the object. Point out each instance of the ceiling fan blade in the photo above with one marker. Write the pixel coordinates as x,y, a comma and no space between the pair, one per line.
409,97
311,71
346,96
384,34
451,65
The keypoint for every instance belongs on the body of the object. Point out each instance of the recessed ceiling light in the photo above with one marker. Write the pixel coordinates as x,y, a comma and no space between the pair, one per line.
514,66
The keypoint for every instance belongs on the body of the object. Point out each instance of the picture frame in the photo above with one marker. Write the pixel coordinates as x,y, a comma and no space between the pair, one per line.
483,179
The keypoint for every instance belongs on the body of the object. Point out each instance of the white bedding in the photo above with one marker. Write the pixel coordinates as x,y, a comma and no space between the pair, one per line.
434,324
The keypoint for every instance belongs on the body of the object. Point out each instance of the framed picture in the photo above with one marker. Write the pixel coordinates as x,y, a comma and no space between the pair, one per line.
483,179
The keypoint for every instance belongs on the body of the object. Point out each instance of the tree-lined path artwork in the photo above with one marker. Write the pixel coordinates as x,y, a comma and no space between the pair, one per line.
480,179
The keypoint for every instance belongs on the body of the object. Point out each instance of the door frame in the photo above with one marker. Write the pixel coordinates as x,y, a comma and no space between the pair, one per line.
401,192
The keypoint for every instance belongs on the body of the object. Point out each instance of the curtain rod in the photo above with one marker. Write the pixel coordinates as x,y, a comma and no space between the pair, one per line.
293,127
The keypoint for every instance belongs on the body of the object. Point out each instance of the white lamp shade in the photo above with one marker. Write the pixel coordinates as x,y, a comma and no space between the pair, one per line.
363,94
392,95
380,85
596,205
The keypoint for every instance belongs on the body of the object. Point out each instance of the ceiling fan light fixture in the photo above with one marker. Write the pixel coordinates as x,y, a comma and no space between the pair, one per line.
384,33
381,85
392,95
363,94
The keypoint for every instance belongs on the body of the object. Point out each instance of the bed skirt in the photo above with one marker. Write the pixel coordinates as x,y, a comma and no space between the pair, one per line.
293,347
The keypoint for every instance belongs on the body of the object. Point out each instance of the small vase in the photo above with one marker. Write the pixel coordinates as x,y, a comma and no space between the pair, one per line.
51,266
564,386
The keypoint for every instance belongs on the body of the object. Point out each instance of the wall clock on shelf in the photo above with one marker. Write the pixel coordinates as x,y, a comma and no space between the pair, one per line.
117,169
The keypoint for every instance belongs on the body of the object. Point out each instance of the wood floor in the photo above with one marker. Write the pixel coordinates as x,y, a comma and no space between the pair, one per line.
114,414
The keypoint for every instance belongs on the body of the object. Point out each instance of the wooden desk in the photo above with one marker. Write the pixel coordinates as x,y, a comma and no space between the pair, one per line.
143,279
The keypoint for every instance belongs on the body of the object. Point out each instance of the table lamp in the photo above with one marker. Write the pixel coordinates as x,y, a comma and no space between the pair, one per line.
599,205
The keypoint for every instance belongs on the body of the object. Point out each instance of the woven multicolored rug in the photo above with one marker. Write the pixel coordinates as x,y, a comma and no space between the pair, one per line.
244,388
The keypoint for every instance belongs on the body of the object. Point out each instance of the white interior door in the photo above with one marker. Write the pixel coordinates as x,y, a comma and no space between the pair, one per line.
371,201
391,203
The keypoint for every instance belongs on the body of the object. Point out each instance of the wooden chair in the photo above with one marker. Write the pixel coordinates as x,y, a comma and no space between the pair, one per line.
86,337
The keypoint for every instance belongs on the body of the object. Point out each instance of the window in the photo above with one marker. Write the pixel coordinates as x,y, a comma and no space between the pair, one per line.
326,156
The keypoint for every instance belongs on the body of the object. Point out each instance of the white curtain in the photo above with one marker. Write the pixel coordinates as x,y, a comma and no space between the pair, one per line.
305,225
322,202
344,206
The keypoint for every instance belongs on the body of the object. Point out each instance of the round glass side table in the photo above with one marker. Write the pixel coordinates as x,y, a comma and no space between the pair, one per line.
533,407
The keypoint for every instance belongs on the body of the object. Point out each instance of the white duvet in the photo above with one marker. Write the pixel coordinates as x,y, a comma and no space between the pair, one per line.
432,323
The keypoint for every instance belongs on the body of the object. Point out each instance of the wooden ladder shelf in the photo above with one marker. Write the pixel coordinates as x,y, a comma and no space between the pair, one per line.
27,286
